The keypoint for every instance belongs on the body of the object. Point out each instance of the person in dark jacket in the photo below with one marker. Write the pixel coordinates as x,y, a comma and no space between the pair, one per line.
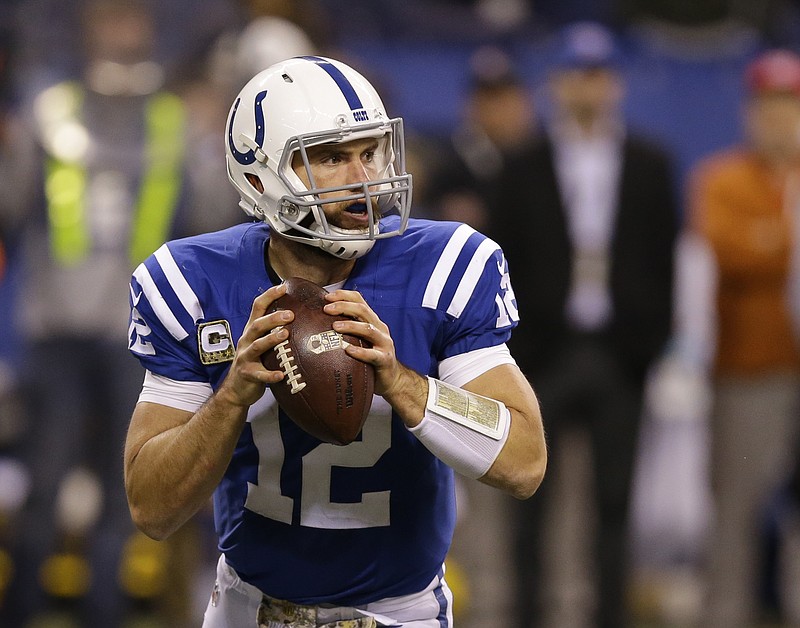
588,223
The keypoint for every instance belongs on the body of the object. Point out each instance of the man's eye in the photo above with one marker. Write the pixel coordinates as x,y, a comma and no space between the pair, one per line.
369,155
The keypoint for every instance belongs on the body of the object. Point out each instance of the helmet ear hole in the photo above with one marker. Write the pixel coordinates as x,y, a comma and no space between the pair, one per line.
255,182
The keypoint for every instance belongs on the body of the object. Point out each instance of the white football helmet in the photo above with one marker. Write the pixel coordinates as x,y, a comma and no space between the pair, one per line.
303,102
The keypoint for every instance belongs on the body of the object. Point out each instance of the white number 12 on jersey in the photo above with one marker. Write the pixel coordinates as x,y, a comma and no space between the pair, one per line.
316,508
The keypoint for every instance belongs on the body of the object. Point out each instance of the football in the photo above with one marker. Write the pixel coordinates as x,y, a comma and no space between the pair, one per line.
324,391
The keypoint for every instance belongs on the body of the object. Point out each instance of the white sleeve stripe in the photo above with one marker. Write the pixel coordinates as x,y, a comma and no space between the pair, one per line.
461,369
187,396
158,303
178,282
433,291
470,278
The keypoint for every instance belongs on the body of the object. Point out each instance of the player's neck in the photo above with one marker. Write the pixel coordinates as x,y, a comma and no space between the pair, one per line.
295,259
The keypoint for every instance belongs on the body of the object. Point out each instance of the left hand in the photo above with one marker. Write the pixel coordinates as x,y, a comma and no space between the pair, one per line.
368,326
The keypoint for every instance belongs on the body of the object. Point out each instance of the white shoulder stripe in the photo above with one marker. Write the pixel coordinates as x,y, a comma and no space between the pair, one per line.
187,396
463,368
178,282
433,291
158,303
470,278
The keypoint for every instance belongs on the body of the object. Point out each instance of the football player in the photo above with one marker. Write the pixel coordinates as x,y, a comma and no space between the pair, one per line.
311,533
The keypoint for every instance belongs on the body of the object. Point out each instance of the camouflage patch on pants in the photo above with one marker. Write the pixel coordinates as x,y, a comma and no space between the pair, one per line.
281,614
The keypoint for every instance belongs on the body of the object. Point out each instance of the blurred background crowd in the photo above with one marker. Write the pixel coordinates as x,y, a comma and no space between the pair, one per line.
637,160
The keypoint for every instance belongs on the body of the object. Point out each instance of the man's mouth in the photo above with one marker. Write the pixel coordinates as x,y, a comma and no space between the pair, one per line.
355,216
357,209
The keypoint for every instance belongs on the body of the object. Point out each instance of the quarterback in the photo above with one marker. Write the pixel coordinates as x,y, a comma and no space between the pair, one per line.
311,533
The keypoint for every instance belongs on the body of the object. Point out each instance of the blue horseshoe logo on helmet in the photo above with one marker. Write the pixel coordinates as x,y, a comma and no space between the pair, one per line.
248,156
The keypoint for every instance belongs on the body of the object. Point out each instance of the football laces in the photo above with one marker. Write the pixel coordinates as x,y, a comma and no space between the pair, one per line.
286,361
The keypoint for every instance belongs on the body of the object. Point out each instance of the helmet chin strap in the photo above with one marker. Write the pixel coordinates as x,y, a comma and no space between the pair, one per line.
343,249
347,249
258,152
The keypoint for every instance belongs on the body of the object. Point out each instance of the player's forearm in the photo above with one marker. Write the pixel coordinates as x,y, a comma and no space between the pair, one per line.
520,467
174,473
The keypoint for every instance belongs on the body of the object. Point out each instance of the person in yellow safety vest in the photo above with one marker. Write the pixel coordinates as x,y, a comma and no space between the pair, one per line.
59,111
112,190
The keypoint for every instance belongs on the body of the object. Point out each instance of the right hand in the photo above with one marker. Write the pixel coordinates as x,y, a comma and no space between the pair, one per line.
247,378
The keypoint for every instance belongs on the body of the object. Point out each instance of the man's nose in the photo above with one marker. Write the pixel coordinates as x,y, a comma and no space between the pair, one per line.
358,172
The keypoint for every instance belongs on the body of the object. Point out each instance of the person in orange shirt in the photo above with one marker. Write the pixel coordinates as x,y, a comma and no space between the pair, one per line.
744,206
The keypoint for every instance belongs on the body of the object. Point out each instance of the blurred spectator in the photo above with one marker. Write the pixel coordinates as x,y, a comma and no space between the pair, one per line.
111,160
778,21
50,37
15,191
452,21
588,226
16,153
686,12
744,205
498,122
558,13
270,31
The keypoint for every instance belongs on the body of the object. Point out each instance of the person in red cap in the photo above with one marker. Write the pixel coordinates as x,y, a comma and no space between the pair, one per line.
775,71
744,205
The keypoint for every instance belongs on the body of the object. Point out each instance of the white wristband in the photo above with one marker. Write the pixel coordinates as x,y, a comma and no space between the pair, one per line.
464,430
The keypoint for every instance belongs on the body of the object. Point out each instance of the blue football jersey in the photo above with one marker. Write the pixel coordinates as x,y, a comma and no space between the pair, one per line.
300,519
